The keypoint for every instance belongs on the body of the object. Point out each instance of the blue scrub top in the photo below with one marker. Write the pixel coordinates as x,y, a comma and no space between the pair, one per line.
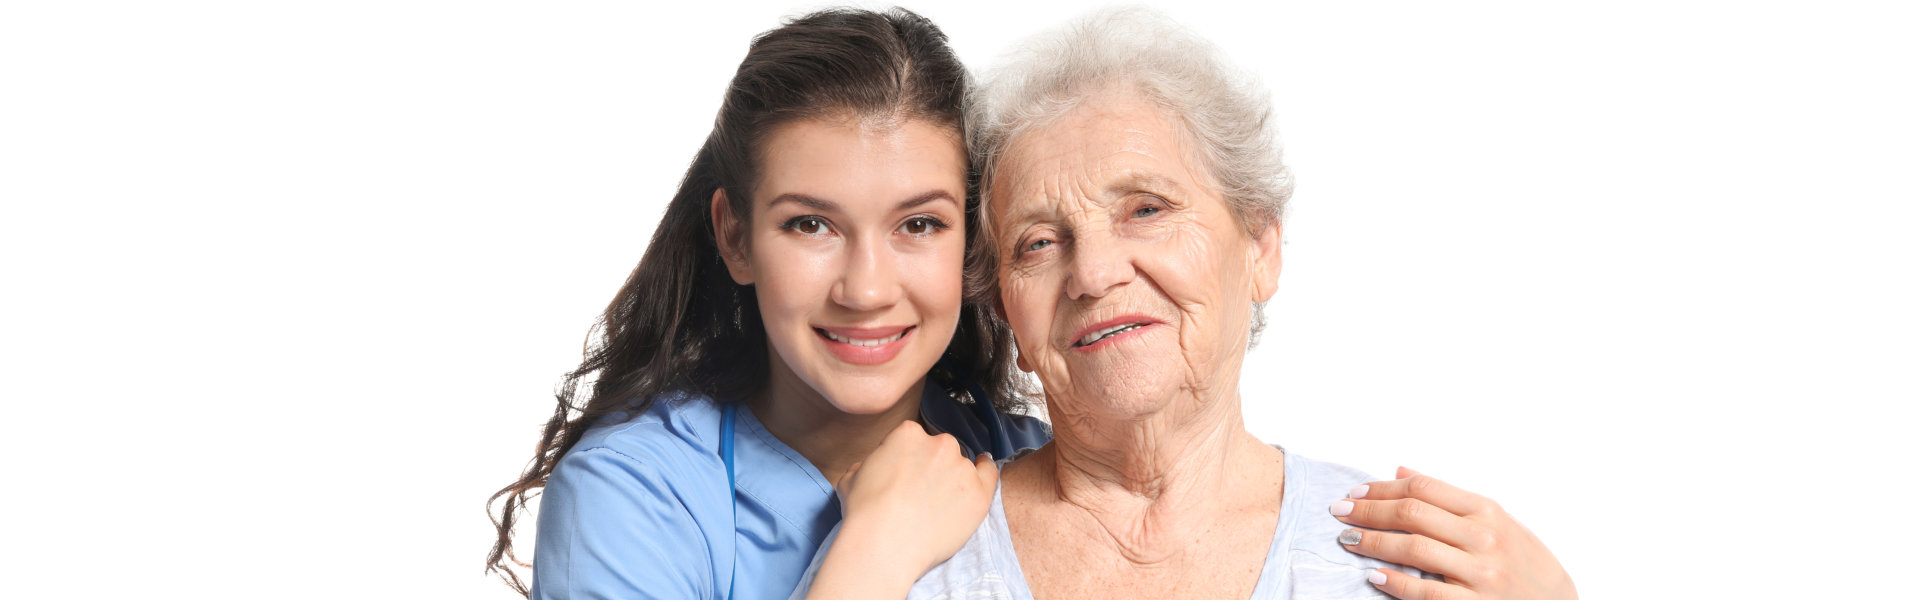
641,508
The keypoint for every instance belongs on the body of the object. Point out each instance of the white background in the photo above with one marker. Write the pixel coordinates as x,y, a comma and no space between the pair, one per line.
287,285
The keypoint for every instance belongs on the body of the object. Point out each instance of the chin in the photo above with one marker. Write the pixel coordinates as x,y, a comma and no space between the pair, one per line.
1130,402
868,397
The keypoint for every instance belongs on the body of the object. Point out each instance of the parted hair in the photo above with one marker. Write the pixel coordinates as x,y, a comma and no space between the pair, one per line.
1224,113
680,323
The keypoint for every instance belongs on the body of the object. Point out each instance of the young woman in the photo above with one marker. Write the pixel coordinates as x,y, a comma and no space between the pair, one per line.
795,325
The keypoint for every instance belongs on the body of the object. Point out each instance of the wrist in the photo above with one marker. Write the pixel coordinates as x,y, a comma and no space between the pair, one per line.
884,559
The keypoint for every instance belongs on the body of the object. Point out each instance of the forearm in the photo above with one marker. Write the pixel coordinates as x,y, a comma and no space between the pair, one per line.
865,563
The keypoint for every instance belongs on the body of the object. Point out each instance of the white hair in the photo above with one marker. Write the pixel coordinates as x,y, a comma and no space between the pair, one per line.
1223,112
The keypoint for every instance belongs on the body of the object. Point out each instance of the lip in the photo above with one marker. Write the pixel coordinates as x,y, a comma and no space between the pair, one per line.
865,355
1145,322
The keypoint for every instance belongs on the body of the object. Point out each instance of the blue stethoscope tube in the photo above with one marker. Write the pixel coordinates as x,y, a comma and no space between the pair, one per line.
998,445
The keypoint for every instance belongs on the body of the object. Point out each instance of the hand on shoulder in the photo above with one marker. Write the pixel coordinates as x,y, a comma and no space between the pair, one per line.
909,506
1483,552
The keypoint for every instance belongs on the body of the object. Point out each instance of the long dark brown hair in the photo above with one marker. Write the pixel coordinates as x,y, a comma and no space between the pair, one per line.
680,323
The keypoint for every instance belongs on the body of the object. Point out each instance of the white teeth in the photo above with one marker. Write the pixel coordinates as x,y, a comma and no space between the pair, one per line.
863,343
1104,333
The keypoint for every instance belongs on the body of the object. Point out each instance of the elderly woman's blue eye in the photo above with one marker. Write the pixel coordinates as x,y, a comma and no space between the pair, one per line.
1146,211
1037,245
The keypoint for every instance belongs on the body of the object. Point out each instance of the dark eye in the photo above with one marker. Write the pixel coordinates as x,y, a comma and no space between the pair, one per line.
918,226
809,225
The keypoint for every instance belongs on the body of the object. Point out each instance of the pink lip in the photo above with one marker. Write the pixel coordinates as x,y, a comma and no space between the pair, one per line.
865,355
1144,321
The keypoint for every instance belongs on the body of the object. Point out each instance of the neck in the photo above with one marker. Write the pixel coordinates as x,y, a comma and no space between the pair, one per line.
1153,484
831,439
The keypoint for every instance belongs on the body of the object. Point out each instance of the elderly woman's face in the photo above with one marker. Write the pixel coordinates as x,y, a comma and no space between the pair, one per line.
1125,275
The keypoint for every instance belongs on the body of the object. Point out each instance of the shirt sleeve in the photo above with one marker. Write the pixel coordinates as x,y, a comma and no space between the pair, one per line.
813,568
612,526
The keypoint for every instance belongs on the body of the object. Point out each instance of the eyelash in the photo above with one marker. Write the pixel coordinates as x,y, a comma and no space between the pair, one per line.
933,224
793,224
1154,203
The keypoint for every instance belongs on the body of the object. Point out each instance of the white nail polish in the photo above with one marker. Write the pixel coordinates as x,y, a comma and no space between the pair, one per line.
1358,492
1376,577
1342,508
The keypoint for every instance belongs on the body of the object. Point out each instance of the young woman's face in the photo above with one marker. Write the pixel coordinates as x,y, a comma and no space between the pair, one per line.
854,249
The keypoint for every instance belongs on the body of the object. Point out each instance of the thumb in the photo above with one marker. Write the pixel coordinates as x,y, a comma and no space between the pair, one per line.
989,473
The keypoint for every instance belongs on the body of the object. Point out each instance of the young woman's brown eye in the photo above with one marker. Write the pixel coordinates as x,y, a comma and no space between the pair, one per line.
921,226
807,225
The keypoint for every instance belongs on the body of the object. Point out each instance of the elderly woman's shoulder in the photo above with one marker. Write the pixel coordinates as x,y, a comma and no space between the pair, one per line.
1318,566
1322,478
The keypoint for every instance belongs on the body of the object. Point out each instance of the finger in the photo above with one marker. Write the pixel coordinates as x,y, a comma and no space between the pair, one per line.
1407,587
1410,515
1417,551
988,471
1426,488
947,446
908,427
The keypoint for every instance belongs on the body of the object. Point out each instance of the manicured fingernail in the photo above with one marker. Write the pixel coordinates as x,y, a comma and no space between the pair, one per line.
1358,492
1350,537
1377,577
1341,509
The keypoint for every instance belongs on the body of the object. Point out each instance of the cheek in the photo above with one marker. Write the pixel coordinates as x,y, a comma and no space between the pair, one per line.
1186,266
1029,311
935,278
790,283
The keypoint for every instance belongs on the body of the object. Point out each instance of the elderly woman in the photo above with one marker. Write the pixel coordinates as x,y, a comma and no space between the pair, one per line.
1133,194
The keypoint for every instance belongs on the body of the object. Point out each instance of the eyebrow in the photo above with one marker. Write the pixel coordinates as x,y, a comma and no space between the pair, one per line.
1138,181
1133,181
824,205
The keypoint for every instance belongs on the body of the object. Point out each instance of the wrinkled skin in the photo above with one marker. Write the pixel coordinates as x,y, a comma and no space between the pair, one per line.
1104,214
1103,218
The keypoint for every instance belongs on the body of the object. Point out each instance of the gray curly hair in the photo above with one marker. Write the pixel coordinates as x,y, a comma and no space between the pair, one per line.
1224,114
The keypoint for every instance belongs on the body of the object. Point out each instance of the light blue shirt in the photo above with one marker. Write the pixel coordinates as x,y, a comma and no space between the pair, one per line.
1305,560
641,508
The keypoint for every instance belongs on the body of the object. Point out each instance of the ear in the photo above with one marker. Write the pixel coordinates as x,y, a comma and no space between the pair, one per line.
1266,262
1020,360
727,236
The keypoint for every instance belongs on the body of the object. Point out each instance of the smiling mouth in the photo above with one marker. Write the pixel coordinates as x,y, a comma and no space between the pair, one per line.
863,343
1095,337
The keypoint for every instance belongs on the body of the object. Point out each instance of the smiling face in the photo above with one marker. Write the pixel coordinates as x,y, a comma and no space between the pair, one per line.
1128,281
854,250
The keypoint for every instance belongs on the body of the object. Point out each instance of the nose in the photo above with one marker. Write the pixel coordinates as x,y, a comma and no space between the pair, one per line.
869,279
1098,265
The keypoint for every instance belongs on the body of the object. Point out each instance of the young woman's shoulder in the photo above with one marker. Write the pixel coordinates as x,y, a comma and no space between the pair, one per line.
636,505
673,426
